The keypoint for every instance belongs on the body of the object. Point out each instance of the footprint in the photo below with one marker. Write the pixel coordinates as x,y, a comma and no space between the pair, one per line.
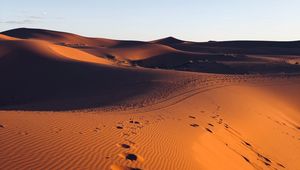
208,130
266,160
192,117
118,167
246,159
134,122
267,164
215,117
97,129
194,125
246,143
119,127
280,165
123,145
210,124
131,157
1,126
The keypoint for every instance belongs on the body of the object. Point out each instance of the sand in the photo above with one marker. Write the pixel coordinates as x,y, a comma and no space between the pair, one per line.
69,106
203,131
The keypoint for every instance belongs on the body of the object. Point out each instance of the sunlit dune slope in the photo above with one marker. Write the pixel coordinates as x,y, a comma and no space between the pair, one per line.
5,37
72,102
36,71
61,38
132,53
126,50
229,57
45,49
234,126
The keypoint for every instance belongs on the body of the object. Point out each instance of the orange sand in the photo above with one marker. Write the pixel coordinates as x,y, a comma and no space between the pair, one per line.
72,102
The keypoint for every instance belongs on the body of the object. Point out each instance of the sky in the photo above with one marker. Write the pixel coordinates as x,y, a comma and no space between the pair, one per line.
195,20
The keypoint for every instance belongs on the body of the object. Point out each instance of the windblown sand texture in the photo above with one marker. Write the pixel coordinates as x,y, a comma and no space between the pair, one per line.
73,102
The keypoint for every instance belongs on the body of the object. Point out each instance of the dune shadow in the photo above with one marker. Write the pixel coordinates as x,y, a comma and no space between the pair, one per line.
31,82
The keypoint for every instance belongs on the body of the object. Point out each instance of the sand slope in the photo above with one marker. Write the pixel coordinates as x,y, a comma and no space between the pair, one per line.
73,102
60,77
204,130
229,57
5,37
57,37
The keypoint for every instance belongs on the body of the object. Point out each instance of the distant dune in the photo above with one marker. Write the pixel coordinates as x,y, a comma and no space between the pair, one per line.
74,102
38,71
5,37
168,41
62,38
231,57
58,64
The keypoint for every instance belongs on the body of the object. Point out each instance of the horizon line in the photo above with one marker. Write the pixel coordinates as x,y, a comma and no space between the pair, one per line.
143,40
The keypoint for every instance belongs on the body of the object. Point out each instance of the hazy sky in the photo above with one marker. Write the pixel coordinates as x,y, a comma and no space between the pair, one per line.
198,20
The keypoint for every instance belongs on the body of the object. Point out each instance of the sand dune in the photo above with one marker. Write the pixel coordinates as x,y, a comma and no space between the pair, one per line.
131,53
5,37
141,52
57,37
45,49
168,41
62,78
73,102
203,131
241,47
229,57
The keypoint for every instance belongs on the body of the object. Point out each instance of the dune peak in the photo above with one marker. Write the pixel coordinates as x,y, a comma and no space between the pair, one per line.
169,40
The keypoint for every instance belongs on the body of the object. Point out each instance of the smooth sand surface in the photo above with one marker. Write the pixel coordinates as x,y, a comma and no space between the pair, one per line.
73,102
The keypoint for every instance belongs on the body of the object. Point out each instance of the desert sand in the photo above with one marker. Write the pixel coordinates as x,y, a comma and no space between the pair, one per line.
74,102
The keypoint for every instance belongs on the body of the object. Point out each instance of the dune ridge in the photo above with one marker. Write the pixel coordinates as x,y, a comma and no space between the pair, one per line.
86,139
74,102
5,37
59,72
229,57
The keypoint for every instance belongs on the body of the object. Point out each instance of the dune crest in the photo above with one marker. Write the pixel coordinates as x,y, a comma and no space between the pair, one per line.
78,55
229,57
5,37
74,102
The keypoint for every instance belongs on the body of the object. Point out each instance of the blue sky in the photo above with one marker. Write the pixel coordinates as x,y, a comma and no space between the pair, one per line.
197,20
